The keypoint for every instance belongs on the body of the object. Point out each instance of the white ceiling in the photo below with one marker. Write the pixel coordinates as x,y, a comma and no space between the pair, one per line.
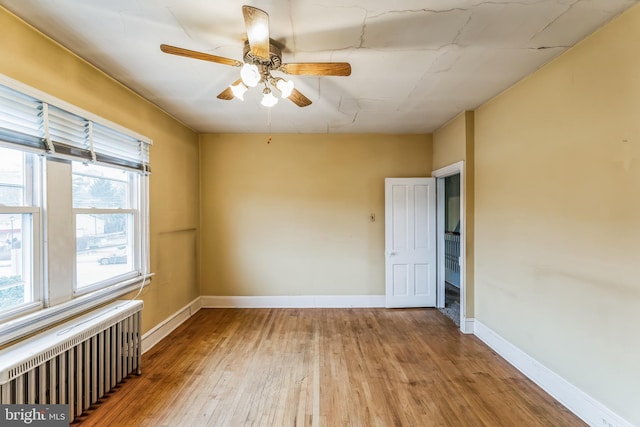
415,63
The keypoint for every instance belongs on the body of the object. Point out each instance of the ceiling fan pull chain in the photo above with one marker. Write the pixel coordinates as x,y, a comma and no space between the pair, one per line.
269,124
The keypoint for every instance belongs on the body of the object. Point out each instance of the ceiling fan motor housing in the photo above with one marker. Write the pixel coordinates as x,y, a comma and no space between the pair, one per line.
272,63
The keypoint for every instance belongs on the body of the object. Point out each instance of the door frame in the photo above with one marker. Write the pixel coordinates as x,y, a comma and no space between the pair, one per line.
440,174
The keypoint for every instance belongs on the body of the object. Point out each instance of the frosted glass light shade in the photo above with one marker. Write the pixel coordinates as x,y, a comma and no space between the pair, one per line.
268,100
250,75
285,87
239,90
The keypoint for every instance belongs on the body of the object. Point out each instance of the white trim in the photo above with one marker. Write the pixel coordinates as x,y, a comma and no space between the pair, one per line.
295,301
164,328
449,170
453,169
577,401
468,326
440,257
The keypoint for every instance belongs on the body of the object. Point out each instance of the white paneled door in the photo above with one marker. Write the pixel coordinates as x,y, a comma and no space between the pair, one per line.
410,242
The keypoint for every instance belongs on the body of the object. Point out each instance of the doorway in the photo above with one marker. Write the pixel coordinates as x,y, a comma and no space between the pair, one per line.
451,230
451,243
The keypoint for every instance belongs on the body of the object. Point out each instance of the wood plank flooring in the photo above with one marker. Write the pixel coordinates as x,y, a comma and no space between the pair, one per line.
325,367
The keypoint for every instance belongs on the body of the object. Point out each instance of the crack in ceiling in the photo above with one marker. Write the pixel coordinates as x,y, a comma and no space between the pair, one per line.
413,68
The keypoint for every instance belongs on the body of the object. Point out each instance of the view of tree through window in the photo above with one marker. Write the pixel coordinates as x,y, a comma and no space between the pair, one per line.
100,187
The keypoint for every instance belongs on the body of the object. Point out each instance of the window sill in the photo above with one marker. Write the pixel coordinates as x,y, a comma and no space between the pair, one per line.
31,323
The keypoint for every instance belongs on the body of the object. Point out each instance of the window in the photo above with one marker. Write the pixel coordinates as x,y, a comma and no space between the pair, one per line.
73,210
18,217
106,211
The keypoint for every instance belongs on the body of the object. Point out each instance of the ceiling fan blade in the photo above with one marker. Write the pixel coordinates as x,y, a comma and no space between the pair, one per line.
299,99
256,22
227,94
173,50
318,68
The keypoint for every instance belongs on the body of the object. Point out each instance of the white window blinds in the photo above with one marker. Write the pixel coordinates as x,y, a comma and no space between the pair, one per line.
20,118
68,133
32,123
117,148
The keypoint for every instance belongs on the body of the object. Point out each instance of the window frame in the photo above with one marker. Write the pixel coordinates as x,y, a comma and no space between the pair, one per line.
31,205
134,205
58,298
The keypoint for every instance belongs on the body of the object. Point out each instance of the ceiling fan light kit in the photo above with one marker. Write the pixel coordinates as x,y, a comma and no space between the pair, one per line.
268,100
285,87
250,75
260,58
239,90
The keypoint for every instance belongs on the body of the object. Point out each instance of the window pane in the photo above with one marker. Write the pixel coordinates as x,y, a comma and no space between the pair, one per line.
103,247
100,187
12,177
16,241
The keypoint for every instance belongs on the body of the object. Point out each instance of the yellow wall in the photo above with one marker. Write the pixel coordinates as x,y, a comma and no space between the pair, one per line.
452,143
558,215
292,217
31,58
449,142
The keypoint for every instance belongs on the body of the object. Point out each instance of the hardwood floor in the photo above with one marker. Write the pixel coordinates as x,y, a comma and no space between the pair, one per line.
325,367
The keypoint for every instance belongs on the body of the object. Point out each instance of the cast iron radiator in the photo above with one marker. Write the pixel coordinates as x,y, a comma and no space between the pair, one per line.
75,363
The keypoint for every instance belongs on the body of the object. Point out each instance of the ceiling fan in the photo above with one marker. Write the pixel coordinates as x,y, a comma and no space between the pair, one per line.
261,56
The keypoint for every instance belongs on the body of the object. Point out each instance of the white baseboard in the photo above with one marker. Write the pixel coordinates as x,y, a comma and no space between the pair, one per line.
577,401
468,325
298,301
157,333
